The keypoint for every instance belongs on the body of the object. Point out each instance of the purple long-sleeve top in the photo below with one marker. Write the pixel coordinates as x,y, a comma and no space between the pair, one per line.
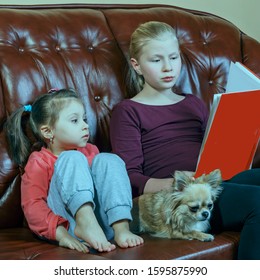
156,140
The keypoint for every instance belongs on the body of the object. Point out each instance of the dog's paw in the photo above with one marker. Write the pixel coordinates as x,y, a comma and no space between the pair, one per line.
208,238
205,237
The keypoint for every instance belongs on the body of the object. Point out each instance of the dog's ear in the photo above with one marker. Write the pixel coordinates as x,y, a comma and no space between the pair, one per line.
214,179
181,180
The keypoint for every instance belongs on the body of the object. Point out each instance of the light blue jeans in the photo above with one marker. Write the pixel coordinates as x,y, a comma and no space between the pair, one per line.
105,184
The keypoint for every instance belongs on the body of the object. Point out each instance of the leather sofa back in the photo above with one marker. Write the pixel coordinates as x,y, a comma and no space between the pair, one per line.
86,47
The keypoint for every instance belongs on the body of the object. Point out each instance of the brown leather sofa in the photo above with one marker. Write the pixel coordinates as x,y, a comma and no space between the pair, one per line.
85,47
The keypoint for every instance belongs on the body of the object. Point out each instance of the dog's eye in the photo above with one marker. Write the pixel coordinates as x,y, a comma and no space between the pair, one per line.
210,205
194,209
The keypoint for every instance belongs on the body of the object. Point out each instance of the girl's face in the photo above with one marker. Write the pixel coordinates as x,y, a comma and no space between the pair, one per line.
159,62
71,130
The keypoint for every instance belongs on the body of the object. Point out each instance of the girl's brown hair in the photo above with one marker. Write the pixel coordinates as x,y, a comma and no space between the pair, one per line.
44,111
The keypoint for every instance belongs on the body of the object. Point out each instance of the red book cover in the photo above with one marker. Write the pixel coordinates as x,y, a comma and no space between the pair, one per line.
232,134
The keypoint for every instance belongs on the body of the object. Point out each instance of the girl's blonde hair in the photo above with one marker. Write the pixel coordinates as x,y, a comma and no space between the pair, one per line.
44,111
140,37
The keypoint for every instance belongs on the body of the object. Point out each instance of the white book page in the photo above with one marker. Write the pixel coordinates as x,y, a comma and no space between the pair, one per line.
213,109
241,79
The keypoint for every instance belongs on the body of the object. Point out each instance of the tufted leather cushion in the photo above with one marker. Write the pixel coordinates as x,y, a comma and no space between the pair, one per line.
85,47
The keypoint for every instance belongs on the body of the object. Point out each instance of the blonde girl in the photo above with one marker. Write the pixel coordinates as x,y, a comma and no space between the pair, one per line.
158,131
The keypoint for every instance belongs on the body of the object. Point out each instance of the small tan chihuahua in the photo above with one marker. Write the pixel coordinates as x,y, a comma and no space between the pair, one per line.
184,211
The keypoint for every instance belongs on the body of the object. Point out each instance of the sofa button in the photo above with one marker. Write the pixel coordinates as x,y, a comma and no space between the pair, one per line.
21,49
57,48
97,98
211,82
90,48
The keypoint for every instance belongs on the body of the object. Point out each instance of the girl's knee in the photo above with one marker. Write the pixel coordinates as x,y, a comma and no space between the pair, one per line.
71,157
108,159
248,177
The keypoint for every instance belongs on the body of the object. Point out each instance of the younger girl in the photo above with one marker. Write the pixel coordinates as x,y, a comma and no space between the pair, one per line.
158,131
68,178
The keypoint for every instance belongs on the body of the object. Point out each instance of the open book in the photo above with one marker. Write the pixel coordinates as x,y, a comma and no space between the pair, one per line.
233,128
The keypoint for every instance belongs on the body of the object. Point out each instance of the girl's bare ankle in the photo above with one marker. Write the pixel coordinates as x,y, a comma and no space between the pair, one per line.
122,225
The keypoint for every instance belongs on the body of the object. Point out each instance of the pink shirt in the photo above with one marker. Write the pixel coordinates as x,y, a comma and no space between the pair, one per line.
34,191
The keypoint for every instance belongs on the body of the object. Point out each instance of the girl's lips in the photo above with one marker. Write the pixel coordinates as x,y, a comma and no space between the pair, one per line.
168,79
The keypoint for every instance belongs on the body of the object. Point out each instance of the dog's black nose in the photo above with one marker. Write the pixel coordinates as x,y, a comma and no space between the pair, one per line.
205,214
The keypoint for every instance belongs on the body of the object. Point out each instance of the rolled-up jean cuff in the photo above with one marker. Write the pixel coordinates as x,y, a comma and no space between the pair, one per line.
121,212
80,198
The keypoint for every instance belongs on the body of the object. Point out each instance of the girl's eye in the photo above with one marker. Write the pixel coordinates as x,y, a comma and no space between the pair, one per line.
155,60
74,120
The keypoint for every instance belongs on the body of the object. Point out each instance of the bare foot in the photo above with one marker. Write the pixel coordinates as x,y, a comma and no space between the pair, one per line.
124,238
88,229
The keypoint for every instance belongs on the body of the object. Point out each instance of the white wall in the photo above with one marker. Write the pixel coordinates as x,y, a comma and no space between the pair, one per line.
243,13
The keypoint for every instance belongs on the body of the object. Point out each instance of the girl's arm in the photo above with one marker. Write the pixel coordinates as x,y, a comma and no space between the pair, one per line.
155,185
125,136
34,191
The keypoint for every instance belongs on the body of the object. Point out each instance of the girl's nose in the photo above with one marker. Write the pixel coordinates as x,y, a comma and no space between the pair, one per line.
167,66
85,126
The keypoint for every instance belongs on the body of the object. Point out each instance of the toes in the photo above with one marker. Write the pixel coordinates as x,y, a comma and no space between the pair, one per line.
96,246
139,241
132,243
112,247
108,247
124,245
128,240
135,241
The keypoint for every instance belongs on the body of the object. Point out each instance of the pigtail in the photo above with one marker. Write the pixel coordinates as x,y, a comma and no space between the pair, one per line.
19,144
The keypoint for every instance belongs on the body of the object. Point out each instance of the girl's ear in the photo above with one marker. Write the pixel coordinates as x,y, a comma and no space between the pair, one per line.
46,132
136,66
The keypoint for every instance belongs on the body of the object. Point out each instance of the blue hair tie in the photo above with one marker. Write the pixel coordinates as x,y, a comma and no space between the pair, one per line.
27,108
